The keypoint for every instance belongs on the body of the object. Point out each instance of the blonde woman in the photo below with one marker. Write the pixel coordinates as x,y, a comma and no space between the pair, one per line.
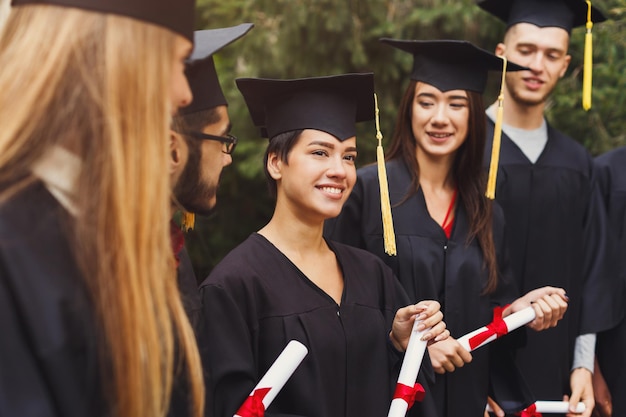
90,314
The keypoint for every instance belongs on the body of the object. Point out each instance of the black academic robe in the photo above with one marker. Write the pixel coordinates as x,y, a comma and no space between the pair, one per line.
611,344
188,287
256,300
49,364
556,235
431,266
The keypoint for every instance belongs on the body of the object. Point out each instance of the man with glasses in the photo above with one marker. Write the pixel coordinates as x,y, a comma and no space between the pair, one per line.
201,141
201,146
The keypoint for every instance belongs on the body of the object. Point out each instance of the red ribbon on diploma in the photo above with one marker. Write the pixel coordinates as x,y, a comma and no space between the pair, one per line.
529,412
253,405
497,327
409,394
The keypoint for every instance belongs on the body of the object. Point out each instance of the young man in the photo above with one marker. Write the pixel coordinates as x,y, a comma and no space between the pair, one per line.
201,146
545,184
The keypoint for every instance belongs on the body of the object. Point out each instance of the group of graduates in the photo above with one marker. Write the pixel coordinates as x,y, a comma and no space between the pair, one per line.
113,121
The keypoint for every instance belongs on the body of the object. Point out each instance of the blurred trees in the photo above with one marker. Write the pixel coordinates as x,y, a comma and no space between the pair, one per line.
301,38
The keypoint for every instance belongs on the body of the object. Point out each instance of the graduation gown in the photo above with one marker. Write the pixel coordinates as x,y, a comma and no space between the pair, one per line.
431,266
49,364
611,344
188,287
256,300
556,235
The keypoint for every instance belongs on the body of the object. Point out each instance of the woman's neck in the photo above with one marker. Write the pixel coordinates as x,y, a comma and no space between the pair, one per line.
435,173
293,236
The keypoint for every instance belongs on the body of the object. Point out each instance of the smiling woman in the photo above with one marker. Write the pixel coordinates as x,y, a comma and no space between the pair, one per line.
287,282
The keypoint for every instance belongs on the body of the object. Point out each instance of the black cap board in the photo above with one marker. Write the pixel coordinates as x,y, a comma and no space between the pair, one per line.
200,69
176,15
332,104
451,65
565,14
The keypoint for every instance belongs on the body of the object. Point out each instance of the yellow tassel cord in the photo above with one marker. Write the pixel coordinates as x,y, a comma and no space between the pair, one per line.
188,221
497,135
385,205
588,61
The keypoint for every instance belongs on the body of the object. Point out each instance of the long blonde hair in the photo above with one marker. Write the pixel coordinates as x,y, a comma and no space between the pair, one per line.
99,85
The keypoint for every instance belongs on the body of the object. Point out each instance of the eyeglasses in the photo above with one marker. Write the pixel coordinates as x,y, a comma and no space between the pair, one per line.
228,142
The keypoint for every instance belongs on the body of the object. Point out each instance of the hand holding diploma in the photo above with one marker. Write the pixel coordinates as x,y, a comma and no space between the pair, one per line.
273,381
407,391
540,309
429,316
549,303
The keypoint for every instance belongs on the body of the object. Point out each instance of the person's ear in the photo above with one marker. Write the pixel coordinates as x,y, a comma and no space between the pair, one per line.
567,59
176,144
500,49
274,166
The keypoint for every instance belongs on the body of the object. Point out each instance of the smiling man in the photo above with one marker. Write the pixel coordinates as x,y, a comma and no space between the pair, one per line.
556,227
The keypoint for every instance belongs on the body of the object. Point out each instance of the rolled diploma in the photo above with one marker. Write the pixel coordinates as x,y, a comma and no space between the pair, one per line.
513,321
281,370
410,368
554,407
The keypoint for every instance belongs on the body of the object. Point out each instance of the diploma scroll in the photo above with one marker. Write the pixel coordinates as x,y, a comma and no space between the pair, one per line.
273,381
552,407
499,327
407,391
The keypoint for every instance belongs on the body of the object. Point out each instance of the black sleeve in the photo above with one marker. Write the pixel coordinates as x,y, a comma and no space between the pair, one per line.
602,307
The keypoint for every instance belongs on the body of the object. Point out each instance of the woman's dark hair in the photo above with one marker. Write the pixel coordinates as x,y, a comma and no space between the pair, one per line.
468,171
281,145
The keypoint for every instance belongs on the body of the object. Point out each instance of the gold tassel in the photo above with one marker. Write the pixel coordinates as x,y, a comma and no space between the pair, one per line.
385,205
188,221
588,61
497,135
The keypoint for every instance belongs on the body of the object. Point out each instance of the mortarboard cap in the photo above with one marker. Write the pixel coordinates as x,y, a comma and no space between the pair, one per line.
176,15
332,104
200,69
565,14
451,65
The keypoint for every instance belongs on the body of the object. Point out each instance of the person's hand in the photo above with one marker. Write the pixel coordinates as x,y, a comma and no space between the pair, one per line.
601,394
549,303
497,410
428,312
447,355
582,390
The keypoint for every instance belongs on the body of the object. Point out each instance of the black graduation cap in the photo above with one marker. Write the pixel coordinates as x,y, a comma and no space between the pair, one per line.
451,65
565,14
176,15
332,104
200,69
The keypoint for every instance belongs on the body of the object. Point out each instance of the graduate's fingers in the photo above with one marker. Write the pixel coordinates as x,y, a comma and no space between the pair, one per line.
540,316
497,410
427,308
435,331
582,390
430,321
558,307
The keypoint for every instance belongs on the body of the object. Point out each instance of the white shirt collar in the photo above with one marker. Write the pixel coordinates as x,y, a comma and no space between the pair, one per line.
59,170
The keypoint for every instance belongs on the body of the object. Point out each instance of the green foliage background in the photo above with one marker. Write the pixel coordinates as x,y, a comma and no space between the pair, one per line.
301,38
